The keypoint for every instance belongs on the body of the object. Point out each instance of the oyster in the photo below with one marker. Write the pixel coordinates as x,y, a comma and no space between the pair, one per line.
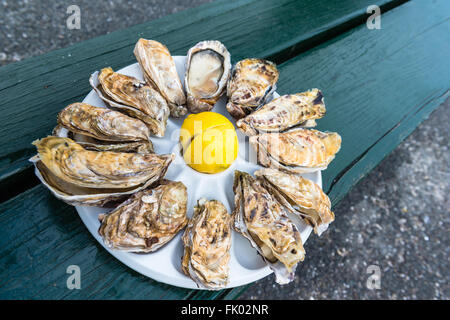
148,220
285,112
252,83
84,177
102,124
89,143
207,241
128,147
207,72
260,218
303,196
159,70
297,150
133,97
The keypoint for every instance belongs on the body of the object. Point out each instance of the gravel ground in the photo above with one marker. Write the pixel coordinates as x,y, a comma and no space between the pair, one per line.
397,218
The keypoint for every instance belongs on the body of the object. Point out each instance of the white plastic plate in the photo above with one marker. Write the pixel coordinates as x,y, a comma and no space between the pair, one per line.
164,265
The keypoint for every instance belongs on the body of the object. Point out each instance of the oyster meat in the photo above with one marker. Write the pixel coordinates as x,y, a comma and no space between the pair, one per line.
291,110
84,177
102,123
207,72
148,220
297,150
260,218
90,143
252,83
207,242
159,70
304,197
133,97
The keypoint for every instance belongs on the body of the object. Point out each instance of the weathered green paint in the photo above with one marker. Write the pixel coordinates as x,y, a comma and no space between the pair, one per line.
378,85
34,90
42,236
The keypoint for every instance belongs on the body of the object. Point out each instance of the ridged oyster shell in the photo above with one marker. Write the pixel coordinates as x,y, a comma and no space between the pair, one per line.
208,68
159,70
297,150
260,218
90,143
133,97
207,242
102,123
84,177
291,110
252,83
148,220
303,196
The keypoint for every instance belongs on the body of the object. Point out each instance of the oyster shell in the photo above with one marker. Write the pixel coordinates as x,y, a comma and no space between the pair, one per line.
207,72
304,197
83,177
285,112
102,123
133,97
89,143
297,150
159,70
148,220
260,218
252,83
207,241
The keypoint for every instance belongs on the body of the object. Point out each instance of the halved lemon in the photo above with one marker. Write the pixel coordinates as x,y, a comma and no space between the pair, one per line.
209,142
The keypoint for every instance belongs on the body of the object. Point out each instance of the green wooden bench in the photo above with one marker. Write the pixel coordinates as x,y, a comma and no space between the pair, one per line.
379,85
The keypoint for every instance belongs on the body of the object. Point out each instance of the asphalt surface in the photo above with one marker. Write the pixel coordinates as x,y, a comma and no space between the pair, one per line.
396,219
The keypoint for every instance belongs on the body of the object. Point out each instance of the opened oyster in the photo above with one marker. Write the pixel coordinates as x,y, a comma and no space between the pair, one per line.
133,97
102,123
207,72
207,241
297,150
304,197
159,70
84,177
285,112
260,218
90,143
252,83
148,220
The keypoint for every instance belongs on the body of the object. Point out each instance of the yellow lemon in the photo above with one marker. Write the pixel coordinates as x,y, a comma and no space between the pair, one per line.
209,142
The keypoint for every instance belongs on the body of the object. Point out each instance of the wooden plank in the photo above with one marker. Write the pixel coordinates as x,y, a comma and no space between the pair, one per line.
378,85
34,90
